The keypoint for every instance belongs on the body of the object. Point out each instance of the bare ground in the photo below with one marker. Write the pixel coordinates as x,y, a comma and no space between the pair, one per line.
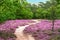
21,36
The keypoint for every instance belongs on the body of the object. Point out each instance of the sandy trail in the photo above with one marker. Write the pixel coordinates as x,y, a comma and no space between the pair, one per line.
21,36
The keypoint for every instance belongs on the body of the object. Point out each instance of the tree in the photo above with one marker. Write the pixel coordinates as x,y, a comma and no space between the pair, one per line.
6,10
23,12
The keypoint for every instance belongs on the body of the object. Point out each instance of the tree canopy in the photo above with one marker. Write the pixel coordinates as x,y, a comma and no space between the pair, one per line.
21,9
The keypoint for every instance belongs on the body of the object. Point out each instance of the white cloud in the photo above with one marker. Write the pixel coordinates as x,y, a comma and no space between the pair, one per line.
34,3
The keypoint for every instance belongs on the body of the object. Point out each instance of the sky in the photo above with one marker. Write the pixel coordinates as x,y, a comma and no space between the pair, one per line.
35,1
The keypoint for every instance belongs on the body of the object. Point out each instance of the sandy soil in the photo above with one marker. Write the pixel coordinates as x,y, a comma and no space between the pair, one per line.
21,36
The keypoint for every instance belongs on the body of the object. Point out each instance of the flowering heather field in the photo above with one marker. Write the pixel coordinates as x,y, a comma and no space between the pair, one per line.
8,28
43,30
40,31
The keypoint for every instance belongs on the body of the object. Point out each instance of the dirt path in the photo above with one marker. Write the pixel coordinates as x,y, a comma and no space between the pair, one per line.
21,36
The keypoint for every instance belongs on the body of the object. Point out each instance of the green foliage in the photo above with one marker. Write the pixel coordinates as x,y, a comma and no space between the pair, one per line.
7,10
58,11
24,13
14,9
21,9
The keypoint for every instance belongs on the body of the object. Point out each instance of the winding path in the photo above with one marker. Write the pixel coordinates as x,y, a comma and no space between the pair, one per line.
20,35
